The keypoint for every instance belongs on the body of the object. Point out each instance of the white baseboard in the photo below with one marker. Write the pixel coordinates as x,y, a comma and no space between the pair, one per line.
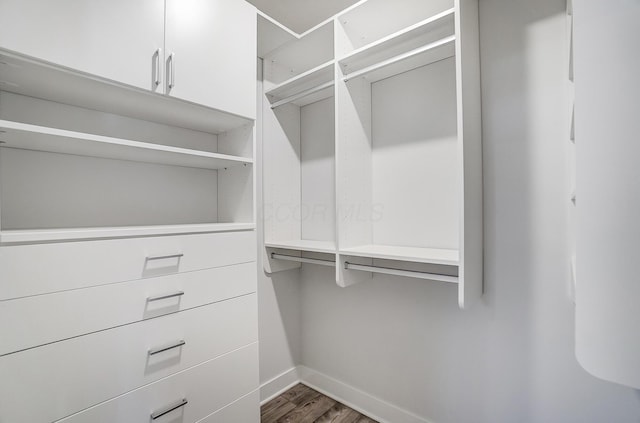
360,401
279,384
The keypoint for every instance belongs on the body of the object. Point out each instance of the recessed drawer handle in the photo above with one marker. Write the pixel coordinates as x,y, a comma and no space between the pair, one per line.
164,257
169,409
165,297
163,349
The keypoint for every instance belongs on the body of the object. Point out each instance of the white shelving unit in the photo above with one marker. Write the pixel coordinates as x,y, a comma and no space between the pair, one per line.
72,169
403,170
299,115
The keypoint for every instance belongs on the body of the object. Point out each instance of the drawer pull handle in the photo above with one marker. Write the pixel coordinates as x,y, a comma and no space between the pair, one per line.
169,409
164,257
165,297
163,349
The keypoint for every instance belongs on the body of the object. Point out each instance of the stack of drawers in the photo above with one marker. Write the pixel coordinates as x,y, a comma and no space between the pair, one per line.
159,329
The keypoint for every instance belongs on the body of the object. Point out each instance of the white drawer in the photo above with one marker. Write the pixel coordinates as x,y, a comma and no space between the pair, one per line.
50,382
244,410
207,388
44,268
33,321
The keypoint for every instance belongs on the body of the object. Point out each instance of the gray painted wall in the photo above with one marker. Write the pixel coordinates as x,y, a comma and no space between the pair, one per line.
511,357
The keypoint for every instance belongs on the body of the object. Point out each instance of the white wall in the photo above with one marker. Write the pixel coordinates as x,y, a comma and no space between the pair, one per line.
511,357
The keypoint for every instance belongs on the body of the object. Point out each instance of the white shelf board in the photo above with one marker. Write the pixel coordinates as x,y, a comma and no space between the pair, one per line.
418,57
36,78
425,32
316,83
412,254
304,245
71,234
40,138
371,20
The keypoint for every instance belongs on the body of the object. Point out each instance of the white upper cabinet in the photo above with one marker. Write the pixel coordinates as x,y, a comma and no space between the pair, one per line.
114,39
214,48
201,51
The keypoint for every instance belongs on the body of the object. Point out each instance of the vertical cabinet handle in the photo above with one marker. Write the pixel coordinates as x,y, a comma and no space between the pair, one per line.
169,409
157,55
172,72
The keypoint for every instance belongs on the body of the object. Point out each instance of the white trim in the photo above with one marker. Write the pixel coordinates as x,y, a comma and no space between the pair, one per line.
279,384
278,24
300,35
360,401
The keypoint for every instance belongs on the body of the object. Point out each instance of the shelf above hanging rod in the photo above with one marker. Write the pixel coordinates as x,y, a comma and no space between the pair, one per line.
321,262
303,94
400,272
438,48
374,269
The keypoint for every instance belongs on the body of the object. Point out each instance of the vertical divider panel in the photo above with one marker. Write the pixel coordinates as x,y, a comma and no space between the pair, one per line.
281,179
353,168
470,274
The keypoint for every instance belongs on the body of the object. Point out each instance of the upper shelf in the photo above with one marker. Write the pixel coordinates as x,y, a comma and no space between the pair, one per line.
427,41
308,87
40,138
36,78
412,254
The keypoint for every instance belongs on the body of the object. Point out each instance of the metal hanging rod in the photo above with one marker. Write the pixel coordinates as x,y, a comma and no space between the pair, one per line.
302,94
396,59
303,259
400,272
366,268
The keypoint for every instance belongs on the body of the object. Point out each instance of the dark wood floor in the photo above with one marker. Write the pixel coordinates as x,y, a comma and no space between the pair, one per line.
302,404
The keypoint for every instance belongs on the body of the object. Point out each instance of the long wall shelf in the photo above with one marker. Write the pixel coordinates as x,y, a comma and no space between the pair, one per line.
75,234
40,138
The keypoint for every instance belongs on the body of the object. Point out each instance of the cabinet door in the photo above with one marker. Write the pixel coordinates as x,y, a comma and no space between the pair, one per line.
114,39
213,43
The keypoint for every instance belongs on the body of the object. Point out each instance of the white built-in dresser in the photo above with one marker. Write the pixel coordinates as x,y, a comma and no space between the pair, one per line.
127,212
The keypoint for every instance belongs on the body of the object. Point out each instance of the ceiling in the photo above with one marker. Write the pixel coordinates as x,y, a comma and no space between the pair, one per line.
301,15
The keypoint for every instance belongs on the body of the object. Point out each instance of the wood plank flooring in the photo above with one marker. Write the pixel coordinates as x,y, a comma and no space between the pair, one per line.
302,404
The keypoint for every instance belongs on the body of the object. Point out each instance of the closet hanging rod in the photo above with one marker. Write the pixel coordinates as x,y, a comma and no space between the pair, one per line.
302,94
303,259
400,272
400,57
